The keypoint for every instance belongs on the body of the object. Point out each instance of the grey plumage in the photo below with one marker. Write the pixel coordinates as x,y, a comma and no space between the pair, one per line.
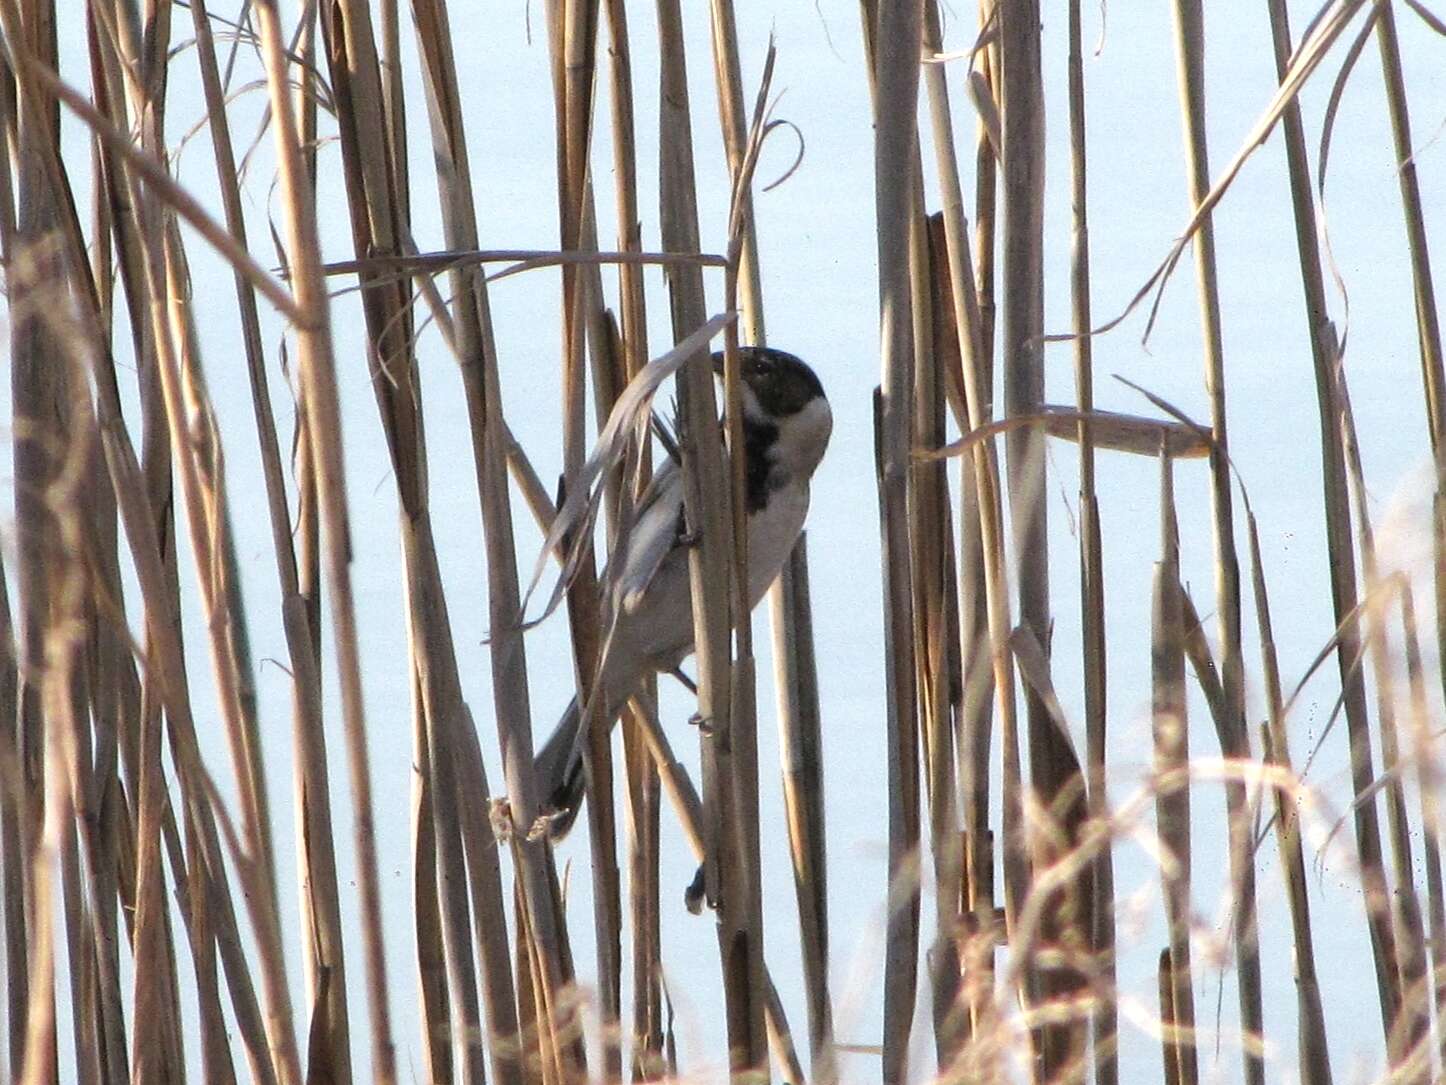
787,423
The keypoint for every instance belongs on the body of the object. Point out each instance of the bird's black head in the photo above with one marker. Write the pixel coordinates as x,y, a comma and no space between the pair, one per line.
782,383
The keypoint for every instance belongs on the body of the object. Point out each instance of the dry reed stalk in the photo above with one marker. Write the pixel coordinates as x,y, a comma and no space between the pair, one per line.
1428,326
198,457
895,32
1415,1020
471,338
375,195
796,679
1053,768
743,694
986,182
1428,780
436,1004
730,883
644,806
1310,1016
1170,1046
152,576
1433,374
320,905
33,406
983,584
1190,52
479,834
1103,1017
1169,724
1310,1030
572,33
318,380
1336,502
936,632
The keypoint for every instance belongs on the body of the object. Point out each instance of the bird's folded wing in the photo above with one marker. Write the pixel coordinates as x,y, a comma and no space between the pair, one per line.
657,530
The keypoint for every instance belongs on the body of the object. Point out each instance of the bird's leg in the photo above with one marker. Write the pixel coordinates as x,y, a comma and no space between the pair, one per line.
681,676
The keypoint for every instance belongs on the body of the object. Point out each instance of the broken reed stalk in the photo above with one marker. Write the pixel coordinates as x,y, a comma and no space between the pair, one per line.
935,641
1104,1016
1190,54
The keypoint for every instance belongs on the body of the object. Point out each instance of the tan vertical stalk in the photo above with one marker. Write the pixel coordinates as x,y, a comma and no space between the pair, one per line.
377,207
896,36
1171,783
318,379
477,356
931,539
34,400
706,500
744,869
188,414
1428,321
1415,1020
436,1008
1428,776
573,28
983,588
986,179
1104,1015
1311,1049
1339,546
1190,54
1051,764
643,788
796,675
316,856
1170,1042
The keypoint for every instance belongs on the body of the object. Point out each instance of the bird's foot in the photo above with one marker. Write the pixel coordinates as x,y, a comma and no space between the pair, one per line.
703,723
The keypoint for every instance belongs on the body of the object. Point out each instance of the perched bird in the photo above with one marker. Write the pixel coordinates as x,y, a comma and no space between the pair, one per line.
786,427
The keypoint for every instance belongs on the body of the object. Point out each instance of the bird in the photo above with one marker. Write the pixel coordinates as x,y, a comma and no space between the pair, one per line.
787,423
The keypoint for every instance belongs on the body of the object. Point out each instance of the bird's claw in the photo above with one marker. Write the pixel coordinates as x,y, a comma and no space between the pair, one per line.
703,723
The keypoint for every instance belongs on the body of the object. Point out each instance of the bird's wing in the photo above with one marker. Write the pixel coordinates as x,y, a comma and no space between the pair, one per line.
657,529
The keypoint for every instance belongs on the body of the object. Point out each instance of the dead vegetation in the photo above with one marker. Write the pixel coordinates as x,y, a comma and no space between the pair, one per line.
150,871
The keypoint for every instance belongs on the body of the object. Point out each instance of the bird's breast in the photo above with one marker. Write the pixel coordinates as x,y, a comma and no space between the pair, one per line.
772,531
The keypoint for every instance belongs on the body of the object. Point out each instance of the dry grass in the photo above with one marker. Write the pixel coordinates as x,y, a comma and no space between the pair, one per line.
122,860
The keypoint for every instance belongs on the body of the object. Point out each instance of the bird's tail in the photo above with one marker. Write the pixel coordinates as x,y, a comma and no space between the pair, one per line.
558,766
